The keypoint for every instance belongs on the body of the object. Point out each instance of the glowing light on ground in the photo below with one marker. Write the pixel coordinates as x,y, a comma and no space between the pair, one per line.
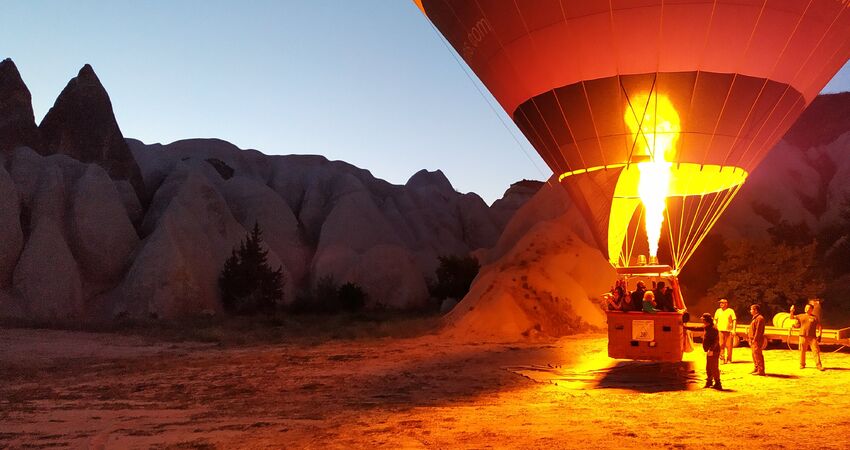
655,128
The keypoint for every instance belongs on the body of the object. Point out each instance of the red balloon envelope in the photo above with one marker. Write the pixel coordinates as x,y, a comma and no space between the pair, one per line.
647,110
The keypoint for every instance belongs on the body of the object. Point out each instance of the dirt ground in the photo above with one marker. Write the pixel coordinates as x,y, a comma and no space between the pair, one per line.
90,390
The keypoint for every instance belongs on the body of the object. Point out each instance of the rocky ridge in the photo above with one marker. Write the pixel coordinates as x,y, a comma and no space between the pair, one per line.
125,229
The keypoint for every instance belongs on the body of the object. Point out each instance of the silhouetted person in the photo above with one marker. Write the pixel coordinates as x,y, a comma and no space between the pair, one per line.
711,346
664,298
755,333
725,320
637,296
810,332
617,298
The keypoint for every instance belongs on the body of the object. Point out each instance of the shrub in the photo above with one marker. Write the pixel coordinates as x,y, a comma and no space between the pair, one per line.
328,297
248,284
773,275
454,276
351,297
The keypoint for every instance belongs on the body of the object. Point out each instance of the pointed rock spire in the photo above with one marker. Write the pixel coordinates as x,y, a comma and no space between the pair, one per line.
81,124
17,123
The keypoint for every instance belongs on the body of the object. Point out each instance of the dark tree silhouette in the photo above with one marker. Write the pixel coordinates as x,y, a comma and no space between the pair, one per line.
454,276
773,275
248,284
351,297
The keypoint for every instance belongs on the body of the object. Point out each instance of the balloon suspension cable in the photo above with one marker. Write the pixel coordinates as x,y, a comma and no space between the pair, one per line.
487,101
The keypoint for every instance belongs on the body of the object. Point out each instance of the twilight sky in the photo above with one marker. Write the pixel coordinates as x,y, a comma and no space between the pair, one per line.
368,81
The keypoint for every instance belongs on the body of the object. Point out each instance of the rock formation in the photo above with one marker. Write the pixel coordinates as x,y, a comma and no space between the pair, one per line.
137,230
11,235
804,179
120,228
328,218
81,124
540,280
17,123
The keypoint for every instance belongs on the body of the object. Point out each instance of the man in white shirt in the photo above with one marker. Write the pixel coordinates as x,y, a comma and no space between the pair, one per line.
725,320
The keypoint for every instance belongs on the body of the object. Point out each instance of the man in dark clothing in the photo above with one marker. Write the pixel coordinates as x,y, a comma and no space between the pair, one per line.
637,296
810,331
664,298
711,346
755,333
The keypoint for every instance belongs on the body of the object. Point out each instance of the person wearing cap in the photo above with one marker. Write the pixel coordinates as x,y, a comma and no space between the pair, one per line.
810,332
755,333
711,346
725,320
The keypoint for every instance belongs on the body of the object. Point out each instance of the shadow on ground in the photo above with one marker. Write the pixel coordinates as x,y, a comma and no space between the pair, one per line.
649,376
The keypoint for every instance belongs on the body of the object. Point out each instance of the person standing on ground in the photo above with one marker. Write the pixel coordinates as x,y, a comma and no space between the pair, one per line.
725,320
810,332
711,346
755,333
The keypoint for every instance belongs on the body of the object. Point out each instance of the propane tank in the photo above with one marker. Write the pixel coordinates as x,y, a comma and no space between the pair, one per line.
782,320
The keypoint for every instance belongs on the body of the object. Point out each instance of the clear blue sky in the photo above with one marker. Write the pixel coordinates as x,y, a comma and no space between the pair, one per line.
366,81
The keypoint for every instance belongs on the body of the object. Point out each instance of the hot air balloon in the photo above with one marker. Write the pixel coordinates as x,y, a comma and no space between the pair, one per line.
692,93
651,113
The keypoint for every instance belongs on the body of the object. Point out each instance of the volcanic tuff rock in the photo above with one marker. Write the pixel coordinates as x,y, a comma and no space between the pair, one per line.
17,123
805,178
11,236
69,206
78,238
177,268
541,278
100,232
516,196
81,124
329,218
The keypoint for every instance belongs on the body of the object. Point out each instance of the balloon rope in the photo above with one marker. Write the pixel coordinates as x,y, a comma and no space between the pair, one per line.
695,235
486,100
766,144
772,136
731,193
569,128
729,94
554,94
541,143
593,122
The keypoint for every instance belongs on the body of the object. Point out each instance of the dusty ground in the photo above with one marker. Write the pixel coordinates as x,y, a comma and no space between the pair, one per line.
88,390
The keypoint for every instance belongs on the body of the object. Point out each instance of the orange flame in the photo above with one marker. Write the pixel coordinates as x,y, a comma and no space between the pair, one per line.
655,128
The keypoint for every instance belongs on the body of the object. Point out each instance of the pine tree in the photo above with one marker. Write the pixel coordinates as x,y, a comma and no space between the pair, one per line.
247,282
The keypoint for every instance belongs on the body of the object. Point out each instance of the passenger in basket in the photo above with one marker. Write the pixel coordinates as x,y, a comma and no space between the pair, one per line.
649,304
755,333
711,346
618,297
725,320
664,297
615,301
637,296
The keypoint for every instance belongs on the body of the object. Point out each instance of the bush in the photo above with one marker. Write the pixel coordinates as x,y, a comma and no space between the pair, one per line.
773,275
351,297
248,284
454,276
328,297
